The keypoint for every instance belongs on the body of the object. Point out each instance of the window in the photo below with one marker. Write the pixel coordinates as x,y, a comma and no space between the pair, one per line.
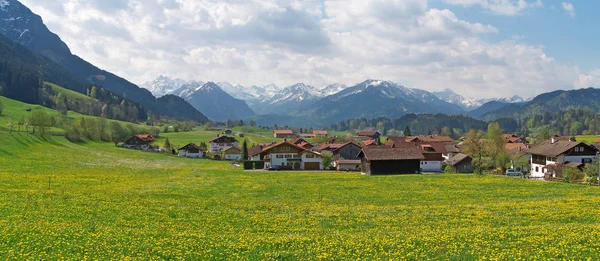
288,156
310,155
587,160
537,169
280,156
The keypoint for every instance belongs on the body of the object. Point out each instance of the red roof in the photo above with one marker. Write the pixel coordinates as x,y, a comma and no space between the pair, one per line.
369,143
145,137
366,133
319,132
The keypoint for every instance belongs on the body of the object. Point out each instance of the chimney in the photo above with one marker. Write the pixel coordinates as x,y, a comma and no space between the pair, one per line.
553,140
217,135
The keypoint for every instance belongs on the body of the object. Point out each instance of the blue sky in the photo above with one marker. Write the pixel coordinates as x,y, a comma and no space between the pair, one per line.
571,40
478,48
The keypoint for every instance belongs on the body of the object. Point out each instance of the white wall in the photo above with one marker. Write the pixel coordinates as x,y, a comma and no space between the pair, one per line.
233,156
183,153
315,159
216,147
431,166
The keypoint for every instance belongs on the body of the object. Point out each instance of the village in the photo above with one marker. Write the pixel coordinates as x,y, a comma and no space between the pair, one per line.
369,153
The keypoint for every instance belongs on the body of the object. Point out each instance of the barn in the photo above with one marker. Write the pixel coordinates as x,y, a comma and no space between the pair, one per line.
386,160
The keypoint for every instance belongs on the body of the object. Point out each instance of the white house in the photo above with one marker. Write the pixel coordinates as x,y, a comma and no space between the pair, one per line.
290,156
232,153
547,155
191,151
221,142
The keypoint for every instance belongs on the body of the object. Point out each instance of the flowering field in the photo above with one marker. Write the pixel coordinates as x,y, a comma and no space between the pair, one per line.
94,201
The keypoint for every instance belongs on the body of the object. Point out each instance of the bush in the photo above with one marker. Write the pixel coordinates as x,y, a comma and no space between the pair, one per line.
572,175
449,169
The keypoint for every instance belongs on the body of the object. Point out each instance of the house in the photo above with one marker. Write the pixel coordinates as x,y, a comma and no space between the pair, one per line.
221,142
227,132
320,133
191,151
302,143
290,156
307,135
385,160
232,153
511,138
283,134
461,163
139,141
560,152
368,135
451,150
515,148
331,140
433,153
348,165
421,139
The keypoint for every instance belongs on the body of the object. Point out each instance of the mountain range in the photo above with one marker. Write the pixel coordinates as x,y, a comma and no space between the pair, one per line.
19,24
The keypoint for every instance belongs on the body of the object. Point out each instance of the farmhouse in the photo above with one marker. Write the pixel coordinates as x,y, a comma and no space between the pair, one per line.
320,133
511,138
232,153
433,153
221,142
289,156
385,160
451,150
191,151
227,132
283,134
461,163
139,141
421,139
368,135
559,152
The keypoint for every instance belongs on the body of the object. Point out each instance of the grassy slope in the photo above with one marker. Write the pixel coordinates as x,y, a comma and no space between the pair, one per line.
110,203
16,110
589,139
69,93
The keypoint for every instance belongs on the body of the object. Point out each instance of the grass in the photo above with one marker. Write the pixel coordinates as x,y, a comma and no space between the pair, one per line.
589,139
183,138
60,200
70,94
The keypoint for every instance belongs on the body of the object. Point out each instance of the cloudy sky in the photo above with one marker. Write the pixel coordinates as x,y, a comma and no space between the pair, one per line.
479,48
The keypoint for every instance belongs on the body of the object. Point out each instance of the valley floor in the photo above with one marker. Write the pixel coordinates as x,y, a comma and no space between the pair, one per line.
60,200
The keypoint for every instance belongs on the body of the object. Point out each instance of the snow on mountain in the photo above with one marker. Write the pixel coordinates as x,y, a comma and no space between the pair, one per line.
450,96
164,85
332,89
3,4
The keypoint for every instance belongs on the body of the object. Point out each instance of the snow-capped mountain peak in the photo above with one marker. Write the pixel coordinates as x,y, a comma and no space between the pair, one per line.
164,85
3,4
333,89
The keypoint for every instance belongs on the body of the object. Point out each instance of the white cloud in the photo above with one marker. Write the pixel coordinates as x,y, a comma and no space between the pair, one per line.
569,8
502,7
284,42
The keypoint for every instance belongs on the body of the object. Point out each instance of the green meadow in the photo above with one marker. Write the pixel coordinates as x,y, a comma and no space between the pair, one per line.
91,200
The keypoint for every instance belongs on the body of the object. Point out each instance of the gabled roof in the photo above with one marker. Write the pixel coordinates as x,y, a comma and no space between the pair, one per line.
367,133
557,148
255,150
336,148
453,148
422,138
191,146
514,148
283,132
232,147
223,139
282,143
386,153
458,158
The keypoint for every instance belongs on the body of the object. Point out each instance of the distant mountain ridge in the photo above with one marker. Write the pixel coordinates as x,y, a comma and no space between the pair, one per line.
218,105
19,24
468,104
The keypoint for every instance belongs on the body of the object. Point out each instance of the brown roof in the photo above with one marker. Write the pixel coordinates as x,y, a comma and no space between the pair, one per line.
285,132
573,165
433,148
514,148
423,138
555,149
281,143
233,147
192,146
386,153
458,158
223,139
453,148
366,133
255,150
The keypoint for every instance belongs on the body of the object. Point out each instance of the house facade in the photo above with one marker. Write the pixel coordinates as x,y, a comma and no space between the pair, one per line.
319,133
139,141
348,165
461,163
191,151
232,153
290,156
368,135
221,142
545,158
283,134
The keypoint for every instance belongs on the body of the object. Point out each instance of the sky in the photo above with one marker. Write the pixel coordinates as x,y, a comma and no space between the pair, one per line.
478,48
